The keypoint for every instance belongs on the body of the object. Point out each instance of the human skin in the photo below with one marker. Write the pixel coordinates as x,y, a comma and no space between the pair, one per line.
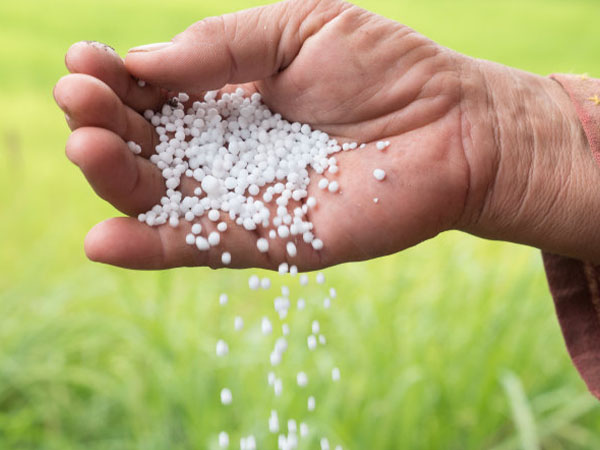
475,146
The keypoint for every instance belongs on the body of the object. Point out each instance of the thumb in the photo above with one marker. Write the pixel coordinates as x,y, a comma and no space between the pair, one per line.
235,48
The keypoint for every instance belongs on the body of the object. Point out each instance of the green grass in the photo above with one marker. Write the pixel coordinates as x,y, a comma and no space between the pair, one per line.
449,345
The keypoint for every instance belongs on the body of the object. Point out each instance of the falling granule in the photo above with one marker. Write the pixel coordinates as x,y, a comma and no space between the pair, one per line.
303,429
311,403
315,327
265,326
273,422
222,348
223,439
238,323
302,379
335,374
320,278
226,396
254,282
311,342
324,443
223,298
265,283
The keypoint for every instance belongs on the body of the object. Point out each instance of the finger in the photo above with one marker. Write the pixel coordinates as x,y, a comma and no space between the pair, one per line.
126,242
91,103
131,184
234,48
102,62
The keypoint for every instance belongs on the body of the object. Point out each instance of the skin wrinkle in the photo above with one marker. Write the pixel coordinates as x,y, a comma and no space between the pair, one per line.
230,37
497,159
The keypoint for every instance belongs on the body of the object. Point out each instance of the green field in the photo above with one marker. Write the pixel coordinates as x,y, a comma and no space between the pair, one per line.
450,345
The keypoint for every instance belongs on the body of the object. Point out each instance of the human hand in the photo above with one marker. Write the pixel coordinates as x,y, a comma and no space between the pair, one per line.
355,75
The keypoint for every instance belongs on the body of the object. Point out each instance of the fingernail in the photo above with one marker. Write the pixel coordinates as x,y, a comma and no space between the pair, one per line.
151,47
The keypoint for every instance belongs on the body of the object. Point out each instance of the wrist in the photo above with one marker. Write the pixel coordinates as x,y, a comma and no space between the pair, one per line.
535,174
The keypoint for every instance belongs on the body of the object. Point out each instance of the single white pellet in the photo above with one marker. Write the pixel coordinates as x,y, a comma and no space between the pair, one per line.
334,186
275,358
379,174
196,228
326,302
382,145
226,258
335,374
315,327
324,443
320,278
271,378
263,245
375,200
338,447
323,183
238,323
223,298
285,329
291,249
222,348
317,244
272,234
265,283
226,396
293,270
322,339
141,83
292,427
302,379
265,326
278,387
273,422
301,304
303,429
214,238
332,292
311,342
202,243
222,227
285,291
303,279
223,439
311,202
254,282
283,231
311,403
190,239
283,268
213,215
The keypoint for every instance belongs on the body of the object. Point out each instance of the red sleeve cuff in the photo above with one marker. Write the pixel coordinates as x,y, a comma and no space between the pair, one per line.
575,285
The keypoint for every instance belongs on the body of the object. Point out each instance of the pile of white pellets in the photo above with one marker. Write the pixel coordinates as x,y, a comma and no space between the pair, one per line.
251,168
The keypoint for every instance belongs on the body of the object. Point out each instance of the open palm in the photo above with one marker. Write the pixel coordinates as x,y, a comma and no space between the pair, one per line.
358,76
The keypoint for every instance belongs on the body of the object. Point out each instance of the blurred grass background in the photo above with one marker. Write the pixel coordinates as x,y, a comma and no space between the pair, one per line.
449,345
